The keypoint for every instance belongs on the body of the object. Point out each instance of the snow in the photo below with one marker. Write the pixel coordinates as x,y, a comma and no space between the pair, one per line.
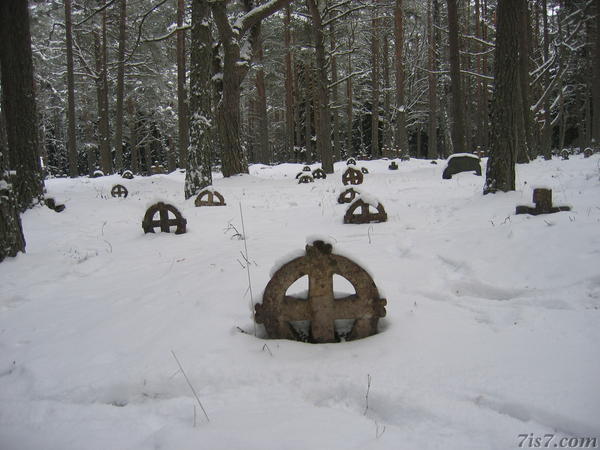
491,328
457,155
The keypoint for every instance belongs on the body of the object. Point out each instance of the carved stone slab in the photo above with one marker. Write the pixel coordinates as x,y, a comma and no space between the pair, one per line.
305,179
319,174
278,310
306,169
164,222
118,190
564,154
351,161
209,198
588,152
365,215
347,196
543,204
364,170
393,165
352,176
128,175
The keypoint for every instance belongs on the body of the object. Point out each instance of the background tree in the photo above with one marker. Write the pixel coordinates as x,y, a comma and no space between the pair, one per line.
506,103
18,104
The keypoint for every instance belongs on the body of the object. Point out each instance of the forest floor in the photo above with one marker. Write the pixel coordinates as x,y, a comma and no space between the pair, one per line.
492,328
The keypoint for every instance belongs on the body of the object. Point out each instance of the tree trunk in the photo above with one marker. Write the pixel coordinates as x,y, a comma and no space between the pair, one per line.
547,130
432,151
375,29
458,128
401,136
349,96
387,132
263,154
133,140
506,104
12,240
71,136
524,79
322,88
289,87
198,167
596,82
102,97
182,106
337,152
18,104
120,86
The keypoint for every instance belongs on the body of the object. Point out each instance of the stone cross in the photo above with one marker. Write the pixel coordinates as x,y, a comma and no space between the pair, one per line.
543,204
321,308
352,176
365,215
209,198
118,190
163,210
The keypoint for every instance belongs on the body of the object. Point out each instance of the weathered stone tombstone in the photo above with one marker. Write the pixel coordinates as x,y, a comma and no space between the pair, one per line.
543,204
433,162
364,170
351,161
588,152
347,196
393,165
306,169
306,179
118,190
299,174
564,154
352,176
97,174
157,170
164,222
461,162
127,174
365,215
209,198
51,203
322,309
319,174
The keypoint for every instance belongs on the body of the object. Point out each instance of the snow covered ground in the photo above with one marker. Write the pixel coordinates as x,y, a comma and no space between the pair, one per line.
492,326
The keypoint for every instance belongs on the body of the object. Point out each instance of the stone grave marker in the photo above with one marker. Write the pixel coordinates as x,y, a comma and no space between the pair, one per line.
364,170
97,174
347,196
306,179
365,215
393,165
118,190
306,169
461,162
157,170
321,309
164,222
588,152
351,161
543,204
319,174
564,154
51,203
352,176
128,175
209,198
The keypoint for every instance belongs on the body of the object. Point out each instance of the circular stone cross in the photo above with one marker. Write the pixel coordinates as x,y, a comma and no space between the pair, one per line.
347,196
207,198
365,215
118,190
322,308
319,174
305,179
352,176
164,222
